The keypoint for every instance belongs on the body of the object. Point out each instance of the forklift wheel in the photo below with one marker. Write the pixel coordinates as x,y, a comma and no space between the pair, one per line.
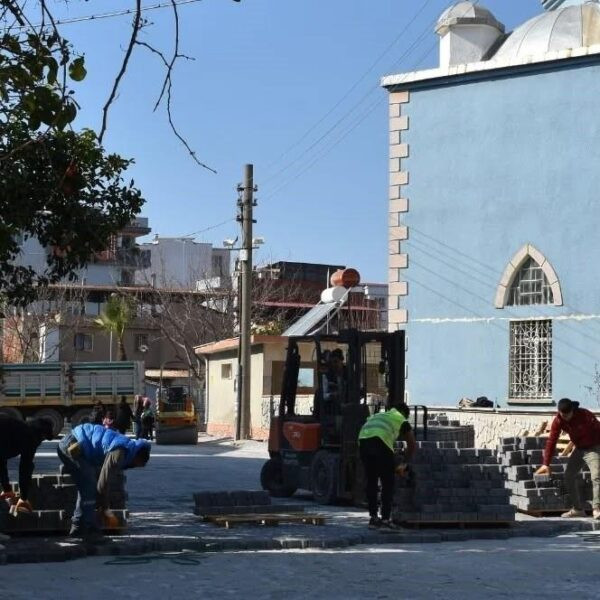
271,479
324,477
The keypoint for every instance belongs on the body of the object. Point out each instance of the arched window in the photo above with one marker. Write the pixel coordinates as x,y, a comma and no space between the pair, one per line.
530,286
528,279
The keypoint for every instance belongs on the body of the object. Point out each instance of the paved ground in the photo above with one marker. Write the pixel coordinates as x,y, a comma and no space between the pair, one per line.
162,520
526,568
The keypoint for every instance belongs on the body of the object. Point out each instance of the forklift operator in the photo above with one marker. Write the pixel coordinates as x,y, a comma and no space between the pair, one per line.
376,440
334,378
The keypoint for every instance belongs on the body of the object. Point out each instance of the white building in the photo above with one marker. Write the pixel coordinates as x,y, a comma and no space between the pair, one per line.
114,266
181,262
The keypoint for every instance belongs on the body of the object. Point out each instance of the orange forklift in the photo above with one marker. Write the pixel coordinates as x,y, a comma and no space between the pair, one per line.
331,384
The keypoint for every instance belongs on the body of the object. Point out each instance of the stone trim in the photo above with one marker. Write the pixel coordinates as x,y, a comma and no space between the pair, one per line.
513,267
398,206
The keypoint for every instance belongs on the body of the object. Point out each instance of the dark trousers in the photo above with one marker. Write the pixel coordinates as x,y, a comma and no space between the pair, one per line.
379,464
85,477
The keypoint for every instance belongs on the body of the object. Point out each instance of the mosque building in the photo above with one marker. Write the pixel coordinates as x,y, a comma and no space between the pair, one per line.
494,209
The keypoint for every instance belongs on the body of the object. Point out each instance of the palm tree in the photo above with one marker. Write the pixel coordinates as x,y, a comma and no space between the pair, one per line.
115,318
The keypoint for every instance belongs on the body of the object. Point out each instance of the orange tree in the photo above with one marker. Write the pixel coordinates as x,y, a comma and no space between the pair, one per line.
57,185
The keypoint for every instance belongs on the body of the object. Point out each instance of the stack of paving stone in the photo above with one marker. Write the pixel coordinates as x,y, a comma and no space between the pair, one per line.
54,498
520,457
452,485
237,503
442,429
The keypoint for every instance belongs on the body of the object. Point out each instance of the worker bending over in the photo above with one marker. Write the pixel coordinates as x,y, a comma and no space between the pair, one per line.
376,440
88,449
584,431
20,438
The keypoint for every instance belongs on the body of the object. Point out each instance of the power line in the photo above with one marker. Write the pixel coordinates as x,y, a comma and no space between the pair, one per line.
353,109
486,302
352,87
108,15
210,228
345,116
496,274
347,132
490,322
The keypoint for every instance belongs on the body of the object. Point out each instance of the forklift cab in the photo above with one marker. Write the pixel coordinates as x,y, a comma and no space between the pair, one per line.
313,441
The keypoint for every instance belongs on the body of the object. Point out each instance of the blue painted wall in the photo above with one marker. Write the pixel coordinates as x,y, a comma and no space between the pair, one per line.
493,165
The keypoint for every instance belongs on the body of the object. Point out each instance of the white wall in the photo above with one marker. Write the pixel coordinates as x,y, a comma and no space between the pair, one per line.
493,424
177,262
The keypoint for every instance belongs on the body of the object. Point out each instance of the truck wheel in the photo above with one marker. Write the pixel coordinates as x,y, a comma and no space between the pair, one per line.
9,411
78,416
271,479
58,421
324,477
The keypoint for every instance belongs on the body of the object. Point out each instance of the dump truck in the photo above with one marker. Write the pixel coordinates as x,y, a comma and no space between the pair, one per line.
60,390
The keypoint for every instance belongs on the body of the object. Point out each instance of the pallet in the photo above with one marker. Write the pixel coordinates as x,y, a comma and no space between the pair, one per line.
552,512
271,519
455,524
228,511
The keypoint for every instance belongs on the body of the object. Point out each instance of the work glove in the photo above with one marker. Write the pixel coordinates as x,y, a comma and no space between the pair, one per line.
9,497
109,519
543,470
22,506
402,470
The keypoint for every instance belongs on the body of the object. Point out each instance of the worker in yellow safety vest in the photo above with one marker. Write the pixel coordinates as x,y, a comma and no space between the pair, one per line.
376,441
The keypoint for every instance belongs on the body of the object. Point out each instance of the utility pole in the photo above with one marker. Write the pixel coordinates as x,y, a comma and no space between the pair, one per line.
246,203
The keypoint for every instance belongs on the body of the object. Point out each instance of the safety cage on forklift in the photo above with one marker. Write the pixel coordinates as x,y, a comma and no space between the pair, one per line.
313,441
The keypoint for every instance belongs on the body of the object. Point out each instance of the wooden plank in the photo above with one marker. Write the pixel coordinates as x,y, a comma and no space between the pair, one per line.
554,512
270,520
456,524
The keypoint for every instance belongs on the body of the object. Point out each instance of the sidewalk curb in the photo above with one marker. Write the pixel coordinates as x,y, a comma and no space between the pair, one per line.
56,550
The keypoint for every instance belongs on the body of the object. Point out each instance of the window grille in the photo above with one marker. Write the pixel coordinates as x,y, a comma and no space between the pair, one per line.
530,286
141,342
530,360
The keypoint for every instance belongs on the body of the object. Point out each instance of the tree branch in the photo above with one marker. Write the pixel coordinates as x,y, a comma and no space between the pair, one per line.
167,87
137,19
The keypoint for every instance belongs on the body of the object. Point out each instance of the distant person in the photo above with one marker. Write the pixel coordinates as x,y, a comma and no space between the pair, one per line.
124,416
147,420
20,438
98,413
109,419
376,442
91,454
584,431
137,415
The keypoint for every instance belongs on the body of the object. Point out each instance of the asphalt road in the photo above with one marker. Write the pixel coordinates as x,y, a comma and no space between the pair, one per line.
517,569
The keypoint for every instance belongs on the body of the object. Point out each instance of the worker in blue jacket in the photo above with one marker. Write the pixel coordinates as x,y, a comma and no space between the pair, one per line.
91,454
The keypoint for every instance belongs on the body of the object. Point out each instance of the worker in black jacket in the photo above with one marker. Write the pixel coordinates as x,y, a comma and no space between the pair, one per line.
20,438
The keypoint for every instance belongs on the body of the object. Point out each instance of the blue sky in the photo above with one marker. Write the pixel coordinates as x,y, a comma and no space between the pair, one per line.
291,86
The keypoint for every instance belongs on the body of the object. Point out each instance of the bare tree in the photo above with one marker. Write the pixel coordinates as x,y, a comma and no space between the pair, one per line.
25,330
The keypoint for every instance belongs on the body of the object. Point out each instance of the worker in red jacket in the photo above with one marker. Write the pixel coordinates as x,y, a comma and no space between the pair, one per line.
584,430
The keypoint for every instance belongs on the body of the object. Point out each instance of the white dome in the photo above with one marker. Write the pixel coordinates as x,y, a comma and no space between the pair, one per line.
467,13
565,28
